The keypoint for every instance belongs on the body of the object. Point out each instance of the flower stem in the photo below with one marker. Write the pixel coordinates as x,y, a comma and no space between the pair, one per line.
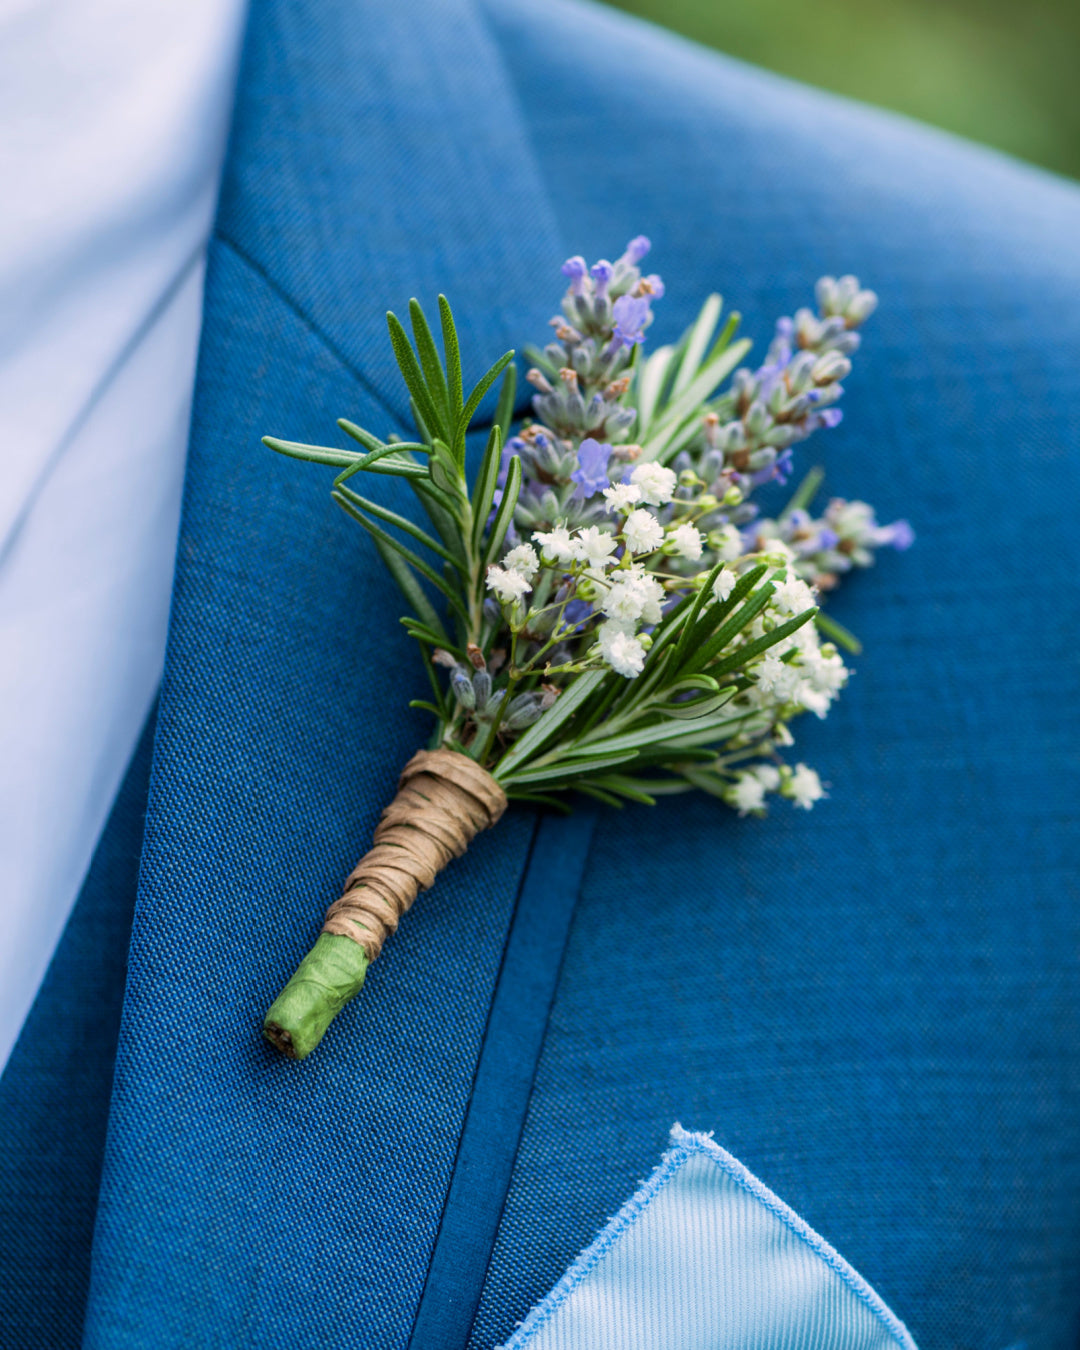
331,974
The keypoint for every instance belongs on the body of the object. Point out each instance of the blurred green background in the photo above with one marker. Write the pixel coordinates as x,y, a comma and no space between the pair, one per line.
1006,72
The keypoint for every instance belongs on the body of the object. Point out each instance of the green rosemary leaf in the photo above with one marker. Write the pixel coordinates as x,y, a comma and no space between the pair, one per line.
655,734
541,731
570,770
425,432
474,401
739,658
667,631
430,495
429,360
505,513
839,634
699,681
641,691
402,523
452,349
445,471
483,493
422,633
699,707
535,357
398,468
504,409
366,439
697,343
688,403
396,456
427,707
673,753
406,554
390,459
600,794
378,449
718,610
805,493
661,787
540,799
625,787
711,783
440,511
703,597
412,591
650,382
710,735
414,376
725,335
315,454
700,657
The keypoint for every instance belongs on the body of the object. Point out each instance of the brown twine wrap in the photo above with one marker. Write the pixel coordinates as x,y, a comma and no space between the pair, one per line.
444,800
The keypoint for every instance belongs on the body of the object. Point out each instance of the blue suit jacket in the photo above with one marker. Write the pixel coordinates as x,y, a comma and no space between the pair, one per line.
875,1006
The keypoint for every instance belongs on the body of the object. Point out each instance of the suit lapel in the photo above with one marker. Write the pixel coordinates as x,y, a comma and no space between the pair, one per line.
378,153
246,1199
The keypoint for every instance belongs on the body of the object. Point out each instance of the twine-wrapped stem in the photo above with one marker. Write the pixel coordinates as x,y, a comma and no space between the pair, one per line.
444,800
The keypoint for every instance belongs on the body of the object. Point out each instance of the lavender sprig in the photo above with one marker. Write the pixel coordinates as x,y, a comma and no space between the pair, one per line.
614,616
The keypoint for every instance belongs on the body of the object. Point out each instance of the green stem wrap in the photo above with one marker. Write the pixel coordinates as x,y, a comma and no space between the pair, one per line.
444,800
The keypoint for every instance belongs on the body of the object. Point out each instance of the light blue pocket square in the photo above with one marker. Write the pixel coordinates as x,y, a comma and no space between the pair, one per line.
704,1257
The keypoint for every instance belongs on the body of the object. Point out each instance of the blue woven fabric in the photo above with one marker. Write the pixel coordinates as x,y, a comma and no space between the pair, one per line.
704,1257
876,1006
54,1093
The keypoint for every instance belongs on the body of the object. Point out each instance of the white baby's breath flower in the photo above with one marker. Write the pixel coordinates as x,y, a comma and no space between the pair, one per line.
642,531
746,794
557,545
813,700
724,584
792,596
595,546
507,584
622,495
777,551
656,483
522,559
686,541
803,787
826,673
768,775
621,650
805,637
634,595
777,677
727,543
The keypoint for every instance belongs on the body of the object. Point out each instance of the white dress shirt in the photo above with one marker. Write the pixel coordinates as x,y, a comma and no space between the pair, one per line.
112,134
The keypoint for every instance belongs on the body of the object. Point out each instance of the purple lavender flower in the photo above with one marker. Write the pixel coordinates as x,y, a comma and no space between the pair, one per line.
899,534
636,250
591,475
576,613
631,314
576,270
601,273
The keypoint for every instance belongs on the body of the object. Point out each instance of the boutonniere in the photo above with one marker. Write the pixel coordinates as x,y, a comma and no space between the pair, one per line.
600,605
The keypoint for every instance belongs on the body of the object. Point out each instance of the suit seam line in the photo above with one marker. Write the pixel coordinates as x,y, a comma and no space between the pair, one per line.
311,326
475,1074
536,1068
